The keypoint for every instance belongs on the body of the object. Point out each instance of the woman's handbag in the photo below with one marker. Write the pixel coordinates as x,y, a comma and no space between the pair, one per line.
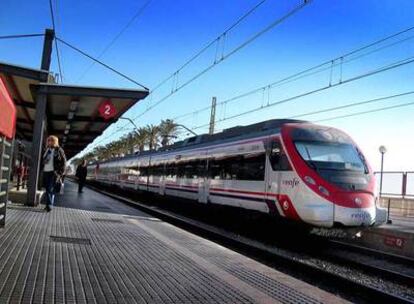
58,186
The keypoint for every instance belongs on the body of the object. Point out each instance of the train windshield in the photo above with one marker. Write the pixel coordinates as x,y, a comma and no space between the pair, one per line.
331,156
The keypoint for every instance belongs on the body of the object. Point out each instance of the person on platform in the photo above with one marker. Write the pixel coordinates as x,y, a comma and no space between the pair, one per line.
54,164
81,172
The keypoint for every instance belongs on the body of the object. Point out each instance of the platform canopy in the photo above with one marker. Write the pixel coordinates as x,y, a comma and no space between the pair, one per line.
72,112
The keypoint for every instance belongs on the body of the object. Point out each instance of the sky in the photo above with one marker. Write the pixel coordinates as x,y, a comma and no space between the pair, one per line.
168,33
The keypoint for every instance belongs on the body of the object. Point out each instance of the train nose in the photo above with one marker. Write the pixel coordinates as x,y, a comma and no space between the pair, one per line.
360,212
355,216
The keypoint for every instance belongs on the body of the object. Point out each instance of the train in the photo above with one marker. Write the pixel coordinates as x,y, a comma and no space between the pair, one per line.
291,169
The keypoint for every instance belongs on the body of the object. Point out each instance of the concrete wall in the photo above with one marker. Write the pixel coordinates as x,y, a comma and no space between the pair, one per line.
399,206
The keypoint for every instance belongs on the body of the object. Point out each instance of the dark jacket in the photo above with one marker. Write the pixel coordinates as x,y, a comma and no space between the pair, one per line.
59,161
81,172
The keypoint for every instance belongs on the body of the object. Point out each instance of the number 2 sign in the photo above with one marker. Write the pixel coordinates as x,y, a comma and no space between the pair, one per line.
107,109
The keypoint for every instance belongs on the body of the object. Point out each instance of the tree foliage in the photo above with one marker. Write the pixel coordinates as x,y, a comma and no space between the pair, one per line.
149,137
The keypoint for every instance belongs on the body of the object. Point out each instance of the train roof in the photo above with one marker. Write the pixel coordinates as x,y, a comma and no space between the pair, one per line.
228,135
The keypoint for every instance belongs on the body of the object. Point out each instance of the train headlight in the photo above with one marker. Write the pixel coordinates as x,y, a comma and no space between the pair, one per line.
310,180
323,191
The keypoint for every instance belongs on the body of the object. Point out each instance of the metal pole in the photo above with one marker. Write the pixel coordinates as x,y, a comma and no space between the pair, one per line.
212,116
39,124
382,173
389,221
47,49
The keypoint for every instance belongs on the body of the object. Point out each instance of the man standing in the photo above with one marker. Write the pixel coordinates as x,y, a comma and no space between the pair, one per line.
54,163
81,172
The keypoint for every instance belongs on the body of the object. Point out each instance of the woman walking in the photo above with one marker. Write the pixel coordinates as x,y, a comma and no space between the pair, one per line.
54,164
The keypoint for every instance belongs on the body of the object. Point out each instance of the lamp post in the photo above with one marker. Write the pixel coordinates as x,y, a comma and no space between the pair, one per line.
382,150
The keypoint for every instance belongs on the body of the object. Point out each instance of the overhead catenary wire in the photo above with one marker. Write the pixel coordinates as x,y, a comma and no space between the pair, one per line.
101,63
354,104
224,57
367,112
140,11
251,39
56,44
305,73
385,68
212,42
318,68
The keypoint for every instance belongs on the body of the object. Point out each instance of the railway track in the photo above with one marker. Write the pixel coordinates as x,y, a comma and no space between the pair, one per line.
271,255
379,263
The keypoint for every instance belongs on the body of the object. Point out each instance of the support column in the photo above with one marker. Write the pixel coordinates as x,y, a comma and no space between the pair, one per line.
212,116
39,124
38,131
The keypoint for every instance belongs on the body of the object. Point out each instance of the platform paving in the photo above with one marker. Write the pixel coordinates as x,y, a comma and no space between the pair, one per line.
93,249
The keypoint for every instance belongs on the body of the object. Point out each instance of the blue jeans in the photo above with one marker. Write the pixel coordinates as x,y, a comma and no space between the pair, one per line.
49,180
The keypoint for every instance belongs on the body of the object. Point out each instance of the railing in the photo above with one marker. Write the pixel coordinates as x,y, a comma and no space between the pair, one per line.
396,183
6,147
397,194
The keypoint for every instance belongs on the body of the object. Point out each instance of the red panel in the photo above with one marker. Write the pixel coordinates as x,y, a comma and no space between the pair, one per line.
7,112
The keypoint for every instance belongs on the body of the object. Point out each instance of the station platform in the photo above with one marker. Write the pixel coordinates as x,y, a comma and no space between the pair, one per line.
396,238
93,249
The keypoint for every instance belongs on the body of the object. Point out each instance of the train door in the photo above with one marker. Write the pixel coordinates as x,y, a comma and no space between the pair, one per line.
273,176
203,182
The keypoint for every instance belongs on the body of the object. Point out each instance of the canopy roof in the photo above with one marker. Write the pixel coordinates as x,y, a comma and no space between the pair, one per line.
72,112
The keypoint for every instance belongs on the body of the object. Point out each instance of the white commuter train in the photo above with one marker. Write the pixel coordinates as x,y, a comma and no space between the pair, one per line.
297,170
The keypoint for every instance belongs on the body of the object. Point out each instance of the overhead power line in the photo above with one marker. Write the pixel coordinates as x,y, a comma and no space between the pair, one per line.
321,67
354,104
21,36
56,44
117,36
368,112
211,43
388,67
101,63
276,22
216,40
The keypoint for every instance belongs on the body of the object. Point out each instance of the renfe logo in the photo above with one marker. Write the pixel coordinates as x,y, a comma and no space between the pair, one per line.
291,182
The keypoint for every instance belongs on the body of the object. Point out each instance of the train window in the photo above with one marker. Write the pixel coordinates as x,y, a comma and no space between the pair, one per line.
143,171
181,170
201,168
214,170
194,169
189,170
252,167
278,158
274,155
171,170
157,170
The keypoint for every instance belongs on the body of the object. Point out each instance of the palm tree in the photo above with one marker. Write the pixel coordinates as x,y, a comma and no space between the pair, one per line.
152,139
141,139
127,143
101,153
168,130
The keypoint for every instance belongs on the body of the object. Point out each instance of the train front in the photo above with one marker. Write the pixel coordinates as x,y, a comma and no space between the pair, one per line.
336,175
